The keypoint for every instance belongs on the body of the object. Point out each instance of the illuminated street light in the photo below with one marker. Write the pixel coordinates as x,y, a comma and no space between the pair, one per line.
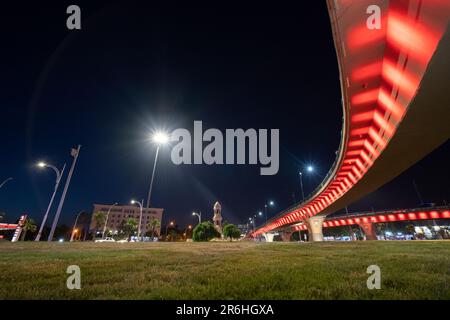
73,153
140,216
309,169
167,227
199,215
270,203
160,138
106,220
58,179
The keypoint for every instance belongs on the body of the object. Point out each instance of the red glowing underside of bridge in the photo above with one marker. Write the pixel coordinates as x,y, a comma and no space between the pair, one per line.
381,70
381,218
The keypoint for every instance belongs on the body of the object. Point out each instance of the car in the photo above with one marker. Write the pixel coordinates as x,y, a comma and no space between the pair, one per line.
108,239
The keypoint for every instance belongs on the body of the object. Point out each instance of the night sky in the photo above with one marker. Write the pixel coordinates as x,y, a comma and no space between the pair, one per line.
136,67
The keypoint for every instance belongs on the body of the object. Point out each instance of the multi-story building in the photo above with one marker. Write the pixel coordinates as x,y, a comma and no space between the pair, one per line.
118,214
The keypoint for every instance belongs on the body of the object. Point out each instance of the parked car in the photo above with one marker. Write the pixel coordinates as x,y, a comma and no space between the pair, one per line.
107,239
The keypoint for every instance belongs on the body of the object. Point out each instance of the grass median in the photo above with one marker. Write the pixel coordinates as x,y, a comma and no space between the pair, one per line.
223,270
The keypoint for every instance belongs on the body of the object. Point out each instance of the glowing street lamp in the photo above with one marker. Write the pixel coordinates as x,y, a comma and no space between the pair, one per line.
140,216
309,169
171,224
74,229
199,215
189,227
160,138
58,179
269,203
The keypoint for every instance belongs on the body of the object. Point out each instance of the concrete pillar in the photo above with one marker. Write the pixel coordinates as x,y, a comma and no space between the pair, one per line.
269,237
369,230
315,228
286,236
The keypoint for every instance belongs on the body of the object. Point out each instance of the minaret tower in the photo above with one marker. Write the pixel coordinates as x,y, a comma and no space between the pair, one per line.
217,219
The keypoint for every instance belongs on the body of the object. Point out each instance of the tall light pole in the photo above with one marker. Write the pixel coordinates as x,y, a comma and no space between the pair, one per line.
4,182
185,230
106,220
300,174
160,139
199,215
58,180
309,169
252,221
269,203
140,216
74,153
74,226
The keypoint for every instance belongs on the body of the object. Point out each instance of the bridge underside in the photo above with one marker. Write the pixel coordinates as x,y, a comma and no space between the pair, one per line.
424,128
391,122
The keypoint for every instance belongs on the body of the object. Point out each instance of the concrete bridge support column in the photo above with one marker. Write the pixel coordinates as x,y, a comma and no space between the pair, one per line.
269,237
315,228
286,236
369,230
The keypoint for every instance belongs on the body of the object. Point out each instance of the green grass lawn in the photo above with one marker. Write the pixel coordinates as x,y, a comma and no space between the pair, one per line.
223,270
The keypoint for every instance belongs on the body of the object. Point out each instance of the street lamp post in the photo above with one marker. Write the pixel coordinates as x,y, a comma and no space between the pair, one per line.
199,215
167,227
160,139
4,182
271,203
74,226
309,169
140,216
58,180
300,174
106,220
185,231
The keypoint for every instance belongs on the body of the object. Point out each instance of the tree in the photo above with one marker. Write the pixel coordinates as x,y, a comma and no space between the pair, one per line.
28,225
231,232
152,225
99,219
128,227
205,231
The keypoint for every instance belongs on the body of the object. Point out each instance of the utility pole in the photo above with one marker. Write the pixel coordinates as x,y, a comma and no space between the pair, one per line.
74,153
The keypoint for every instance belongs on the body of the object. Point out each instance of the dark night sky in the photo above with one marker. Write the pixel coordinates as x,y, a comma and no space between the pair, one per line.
136,67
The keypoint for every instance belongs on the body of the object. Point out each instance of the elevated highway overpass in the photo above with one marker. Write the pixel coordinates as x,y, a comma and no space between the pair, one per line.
395,99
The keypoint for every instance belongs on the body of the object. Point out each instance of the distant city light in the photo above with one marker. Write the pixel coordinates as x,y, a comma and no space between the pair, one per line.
61,240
